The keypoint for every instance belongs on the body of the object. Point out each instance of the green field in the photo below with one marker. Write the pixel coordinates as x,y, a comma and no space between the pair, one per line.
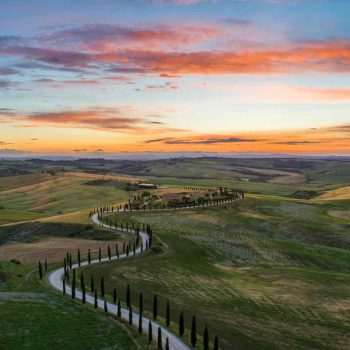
258,272
57,195
33,316
267,272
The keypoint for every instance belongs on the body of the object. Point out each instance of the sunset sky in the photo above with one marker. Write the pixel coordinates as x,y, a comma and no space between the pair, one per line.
107,76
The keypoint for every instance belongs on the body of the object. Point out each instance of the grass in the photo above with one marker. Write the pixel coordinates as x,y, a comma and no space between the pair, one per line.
35,317
59,195
260,272
269,272
337,194
12,216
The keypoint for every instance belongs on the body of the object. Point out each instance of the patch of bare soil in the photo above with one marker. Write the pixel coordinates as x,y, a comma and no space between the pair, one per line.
55,248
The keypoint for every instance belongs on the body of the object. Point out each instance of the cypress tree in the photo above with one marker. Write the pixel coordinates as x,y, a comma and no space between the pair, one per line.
119,311
128,296
127,250
40,271
167,314
134,248
167,344
150,335
206,338
130,316
155,307
181,324
45,265
95,304
193,331
216,343
99,255
82,284
160,347
102,287
73,285
114,296
141,303
105,306
89,256
67,274
65,268
109,252
70,261
79,262
116,250
84,297
140,323
64,287
124,247
92,284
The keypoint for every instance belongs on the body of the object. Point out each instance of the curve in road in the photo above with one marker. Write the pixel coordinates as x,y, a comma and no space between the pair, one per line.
56,280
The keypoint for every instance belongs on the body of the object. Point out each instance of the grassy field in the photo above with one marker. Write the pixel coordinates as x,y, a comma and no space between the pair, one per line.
58,195
337,194
35,317
269,272
11,216
257,272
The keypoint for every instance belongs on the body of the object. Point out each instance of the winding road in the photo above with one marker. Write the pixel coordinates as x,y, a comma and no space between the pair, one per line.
55,278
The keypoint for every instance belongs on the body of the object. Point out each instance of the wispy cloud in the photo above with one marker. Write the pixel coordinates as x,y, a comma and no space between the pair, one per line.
202,141
125,119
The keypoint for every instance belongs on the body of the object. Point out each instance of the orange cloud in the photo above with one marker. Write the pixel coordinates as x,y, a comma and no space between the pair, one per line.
323,140
332,56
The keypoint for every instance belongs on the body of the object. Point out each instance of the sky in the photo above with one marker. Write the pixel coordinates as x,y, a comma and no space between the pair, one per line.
104,76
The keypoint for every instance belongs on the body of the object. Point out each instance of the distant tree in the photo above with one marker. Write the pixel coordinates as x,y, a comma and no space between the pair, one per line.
117,250
150,335
141,303
70,261
64,287
40,271
119,312
128,296
155,307
99,255
216,343
167,344
89,256
105,306
73,285
82,284
114,296
206,338
45,265
95,304
92,284
193,331
167,314
160,346
181,324
140,323
130,316
79,262
127,250
109,253
102,287
84,296
65,268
